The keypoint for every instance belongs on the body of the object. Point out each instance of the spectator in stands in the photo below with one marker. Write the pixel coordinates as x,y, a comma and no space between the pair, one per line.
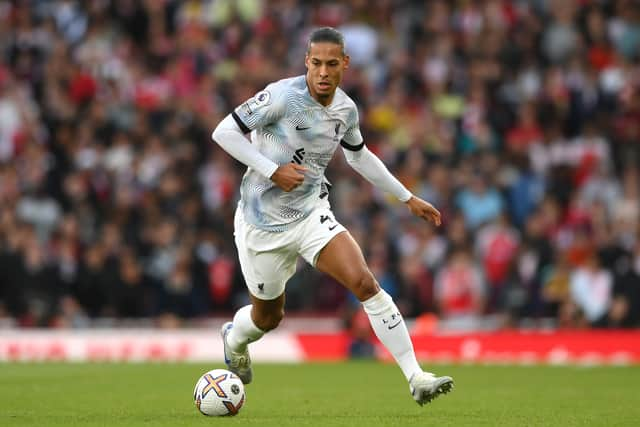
480,203
460,289
497,244
591,287
625,304
556,279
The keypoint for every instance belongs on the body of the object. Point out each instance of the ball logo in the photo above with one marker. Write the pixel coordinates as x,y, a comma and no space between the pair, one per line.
233,409
214,384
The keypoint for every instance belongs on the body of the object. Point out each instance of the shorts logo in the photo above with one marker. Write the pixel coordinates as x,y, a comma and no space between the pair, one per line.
325,218
261,287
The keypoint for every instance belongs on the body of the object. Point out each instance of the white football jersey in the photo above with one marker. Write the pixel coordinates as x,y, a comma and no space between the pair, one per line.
288,125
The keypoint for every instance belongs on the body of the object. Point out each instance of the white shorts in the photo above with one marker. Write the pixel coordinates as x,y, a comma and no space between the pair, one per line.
268,259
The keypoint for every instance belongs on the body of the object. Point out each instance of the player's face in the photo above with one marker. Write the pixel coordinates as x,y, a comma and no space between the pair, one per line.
325,65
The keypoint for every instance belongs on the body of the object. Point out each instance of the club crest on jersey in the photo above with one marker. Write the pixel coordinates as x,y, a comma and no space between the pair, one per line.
337,129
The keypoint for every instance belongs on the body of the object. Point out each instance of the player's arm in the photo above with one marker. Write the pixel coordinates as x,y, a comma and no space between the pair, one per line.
229,135
373,170
265,107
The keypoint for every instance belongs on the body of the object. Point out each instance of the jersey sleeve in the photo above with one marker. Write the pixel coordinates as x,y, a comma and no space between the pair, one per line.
265,107
352,139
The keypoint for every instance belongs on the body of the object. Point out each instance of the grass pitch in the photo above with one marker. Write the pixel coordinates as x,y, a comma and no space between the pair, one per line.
344,394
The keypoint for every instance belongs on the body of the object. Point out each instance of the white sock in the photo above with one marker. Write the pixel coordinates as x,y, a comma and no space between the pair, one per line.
244,331
389,326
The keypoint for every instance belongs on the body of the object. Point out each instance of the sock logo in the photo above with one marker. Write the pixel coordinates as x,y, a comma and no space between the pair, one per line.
396,319
394,325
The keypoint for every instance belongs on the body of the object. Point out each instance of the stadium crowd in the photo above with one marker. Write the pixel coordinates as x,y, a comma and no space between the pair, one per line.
519,120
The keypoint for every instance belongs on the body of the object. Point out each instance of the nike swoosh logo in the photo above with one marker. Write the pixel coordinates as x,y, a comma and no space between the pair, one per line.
299,128
394,325
332,227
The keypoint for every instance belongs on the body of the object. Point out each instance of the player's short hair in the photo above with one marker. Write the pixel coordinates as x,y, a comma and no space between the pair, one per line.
326,35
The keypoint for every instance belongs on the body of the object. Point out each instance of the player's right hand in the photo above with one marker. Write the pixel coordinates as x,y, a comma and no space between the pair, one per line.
424,210
289,176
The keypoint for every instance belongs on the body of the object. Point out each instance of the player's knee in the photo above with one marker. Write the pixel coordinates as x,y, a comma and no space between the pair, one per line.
365,286
271,320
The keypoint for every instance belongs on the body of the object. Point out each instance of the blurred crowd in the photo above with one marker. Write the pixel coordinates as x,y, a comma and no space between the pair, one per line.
519,120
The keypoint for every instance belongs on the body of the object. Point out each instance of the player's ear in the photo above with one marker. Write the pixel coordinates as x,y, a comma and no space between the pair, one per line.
306,60
345,61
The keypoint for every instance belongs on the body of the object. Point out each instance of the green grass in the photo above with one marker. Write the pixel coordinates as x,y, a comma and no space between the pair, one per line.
346,394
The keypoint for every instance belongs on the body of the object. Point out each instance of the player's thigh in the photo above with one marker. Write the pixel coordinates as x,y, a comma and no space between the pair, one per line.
265,272
316,232
342,259
336,253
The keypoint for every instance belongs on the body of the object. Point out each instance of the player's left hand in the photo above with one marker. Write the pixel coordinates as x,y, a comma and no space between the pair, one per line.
424,210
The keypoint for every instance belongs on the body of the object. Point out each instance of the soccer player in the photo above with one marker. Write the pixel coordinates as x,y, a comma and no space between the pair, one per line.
295,126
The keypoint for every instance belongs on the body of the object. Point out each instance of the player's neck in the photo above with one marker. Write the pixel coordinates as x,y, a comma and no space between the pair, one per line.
325,101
